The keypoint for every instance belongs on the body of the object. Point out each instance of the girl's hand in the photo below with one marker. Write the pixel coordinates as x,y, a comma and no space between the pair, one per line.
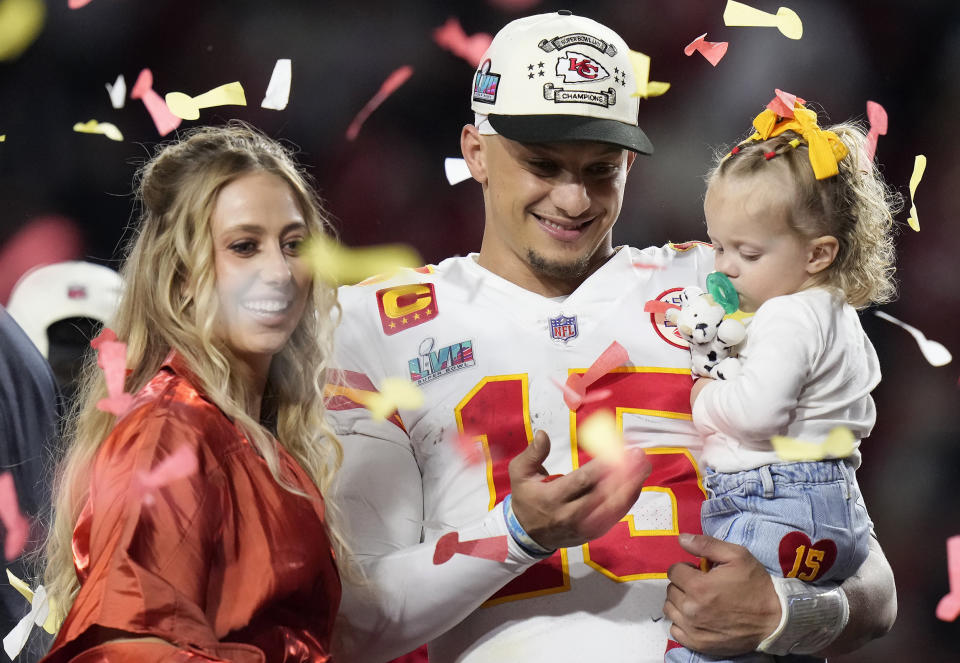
698,387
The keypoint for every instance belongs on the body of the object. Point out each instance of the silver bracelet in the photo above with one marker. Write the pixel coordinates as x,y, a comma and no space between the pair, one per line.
811,617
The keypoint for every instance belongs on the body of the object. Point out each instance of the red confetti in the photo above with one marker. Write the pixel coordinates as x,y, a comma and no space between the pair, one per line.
471,48
614,356
713,51
179,464
570,395
394,80
877,116
77,4
112,358
493,548
648,265
783,103
142,89
470,448
18,527
656,306
949,607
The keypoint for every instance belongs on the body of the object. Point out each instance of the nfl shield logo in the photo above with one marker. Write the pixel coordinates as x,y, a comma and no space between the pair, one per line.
563,328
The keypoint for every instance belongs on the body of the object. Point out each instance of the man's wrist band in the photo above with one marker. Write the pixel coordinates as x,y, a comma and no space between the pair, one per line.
811,617
524,540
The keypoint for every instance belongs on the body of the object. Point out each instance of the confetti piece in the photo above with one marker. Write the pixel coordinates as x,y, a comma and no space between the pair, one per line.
51,624
570,395
641,70
337,264
493,548
469,447
93,127
656,306
18,527
783,103
456,170
278,89
839,444
181,463
3,137
948,609
599,437
615,355
713,51
77,4
112,358
471,48
117,91
39,614
389,86
649,265
395,393
188,108
21,22
785,20
933,351
919,165
877,115
163,119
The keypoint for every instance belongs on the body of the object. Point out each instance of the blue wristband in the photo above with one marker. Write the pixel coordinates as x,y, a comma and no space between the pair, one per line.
524,540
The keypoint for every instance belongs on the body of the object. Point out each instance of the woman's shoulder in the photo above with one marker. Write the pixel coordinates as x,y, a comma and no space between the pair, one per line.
171,415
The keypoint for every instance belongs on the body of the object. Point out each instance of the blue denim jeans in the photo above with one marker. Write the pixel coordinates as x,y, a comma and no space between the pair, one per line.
803,520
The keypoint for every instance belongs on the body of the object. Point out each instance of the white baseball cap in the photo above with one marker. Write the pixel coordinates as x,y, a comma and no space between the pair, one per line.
72,289
559,77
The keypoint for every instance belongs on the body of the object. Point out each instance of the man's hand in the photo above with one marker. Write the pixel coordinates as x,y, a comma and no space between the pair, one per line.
727,610
579,506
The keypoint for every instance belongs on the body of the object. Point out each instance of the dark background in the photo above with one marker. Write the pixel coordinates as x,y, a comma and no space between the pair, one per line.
389,186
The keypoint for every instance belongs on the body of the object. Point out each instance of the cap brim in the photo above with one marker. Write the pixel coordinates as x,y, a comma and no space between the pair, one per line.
555,128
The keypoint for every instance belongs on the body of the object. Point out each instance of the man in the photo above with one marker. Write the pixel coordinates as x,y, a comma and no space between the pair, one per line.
485,337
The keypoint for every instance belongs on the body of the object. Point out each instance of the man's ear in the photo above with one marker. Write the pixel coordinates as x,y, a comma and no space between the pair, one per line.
474,153
821,253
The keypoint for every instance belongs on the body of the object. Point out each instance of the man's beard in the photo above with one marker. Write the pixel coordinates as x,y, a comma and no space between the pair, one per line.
565,271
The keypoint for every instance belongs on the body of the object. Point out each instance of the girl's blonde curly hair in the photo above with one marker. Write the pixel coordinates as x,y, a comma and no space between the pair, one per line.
856,206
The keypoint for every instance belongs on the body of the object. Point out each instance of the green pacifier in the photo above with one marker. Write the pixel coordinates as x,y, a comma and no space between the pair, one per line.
722,291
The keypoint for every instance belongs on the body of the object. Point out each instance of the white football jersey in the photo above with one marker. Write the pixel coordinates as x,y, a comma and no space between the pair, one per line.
486,353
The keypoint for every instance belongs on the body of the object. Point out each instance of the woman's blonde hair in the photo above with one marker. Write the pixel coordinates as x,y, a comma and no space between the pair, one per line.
856,206
170,302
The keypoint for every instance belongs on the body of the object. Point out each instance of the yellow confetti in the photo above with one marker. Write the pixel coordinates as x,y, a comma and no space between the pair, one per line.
21,21
94,127
337,264
641,71
395,393
919,165
785,20
188,108
52,623
599,437
839,444
3,138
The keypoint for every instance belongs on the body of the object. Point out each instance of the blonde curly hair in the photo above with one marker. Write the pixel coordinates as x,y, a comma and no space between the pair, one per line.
856,206
170,302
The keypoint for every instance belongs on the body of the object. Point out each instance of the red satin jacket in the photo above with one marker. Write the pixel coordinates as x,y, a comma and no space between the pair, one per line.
223,563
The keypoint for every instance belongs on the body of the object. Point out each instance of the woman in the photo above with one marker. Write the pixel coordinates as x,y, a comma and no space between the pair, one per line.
227,341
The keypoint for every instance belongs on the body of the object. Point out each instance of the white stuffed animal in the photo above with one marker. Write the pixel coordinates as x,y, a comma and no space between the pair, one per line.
712,339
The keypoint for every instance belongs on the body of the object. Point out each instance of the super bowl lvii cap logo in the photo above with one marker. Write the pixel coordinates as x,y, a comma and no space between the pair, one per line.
485,84
406,306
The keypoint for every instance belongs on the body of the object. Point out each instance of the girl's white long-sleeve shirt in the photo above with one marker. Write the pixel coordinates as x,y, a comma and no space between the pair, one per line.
808,367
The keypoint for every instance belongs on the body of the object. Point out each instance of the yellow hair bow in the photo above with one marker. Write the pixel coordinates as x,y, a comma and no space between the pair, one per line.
826,148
